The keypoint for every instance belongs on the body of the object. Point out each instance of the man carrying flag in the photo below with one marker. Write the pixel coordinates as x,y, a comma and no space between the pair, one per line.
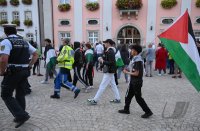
180,42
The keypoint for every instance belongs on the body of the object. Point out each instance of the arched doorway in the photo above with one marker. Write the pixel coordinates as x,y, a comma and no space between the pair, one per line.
129,35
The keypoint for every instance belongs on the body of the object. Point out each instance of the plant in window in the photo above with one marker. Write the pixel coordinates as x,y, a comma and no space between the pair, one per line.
14,2
168,4
128,4
3,22
27,2
17,22
28,22
198,3
92,6
3,2
64,7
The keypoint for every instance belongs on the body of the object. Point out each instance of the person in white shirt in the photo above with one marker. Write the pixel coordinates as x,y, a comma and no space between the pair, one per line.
99,49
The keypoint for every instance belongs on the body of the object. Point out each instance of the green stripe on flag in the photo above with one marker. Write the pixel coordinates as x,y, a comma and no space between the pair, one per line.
186,64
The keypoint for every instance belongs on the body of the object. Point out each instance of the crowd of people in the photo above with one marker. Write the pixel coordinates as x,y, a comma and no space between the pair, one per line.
108,58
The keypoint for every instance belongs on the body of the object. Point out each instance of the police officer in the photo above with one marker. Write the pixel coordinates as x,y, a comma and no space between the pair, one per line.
15,67
65,62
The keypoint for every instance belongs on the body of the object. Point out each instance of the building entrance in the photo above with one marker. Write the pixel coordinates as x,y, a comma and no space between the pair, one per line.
129,35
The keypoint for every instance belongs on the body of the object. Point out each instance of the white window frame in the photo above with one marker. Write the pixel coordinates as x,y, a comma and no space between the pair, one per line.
93,19
15,15
30,36
3,16
26,15
64,1
167,18
66,34
93,37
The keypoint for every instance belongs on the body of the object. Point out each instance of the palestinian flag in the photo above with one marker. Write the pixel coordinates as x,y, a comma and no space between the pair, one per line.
180,42
118,59
51,59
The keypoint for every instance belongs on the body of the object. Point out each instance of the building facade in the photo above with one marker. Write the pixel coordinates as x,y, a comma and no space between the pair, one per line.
24,15
140,26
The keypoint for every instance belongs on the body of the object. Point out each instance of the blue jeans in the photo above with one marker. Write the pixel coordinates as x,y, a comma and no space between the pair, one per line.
61,79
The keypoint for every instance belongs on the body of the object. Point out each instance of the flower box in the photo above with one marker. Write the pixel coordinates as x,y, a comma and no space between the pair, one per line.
14,2
198,3
64,7
17,22
92,6
3,22
27,2
168,4
129,4
28,22
3,2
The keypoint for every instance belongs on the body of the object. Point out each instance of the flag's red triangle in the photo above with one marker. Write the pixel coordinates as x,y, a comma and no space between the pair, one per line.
178,31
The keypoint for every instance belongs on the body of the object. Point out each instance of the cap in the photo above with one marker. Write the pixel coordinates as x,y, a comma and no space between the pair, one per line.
109,41
9,29
9,25
138,48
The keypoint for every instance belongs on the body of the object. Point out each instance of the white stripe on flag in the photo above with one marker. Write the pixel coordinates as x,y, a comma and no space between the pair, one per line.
191,50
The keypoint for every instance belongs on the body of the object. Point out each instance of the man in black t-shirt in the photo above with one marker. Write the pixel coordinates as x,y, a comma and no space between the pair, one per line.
136,74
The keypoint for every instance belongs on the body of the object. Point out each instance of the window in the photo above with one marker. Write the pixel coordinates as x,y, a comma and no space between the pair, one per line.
197,34
93,22
64,1
167,21
64,35
29,36
28,15
64,22
93,36
16,15
3,16
198,20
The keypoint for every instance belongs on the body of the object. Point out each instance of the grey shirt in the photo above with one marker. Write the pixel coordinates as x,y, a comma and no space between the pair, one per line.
150,56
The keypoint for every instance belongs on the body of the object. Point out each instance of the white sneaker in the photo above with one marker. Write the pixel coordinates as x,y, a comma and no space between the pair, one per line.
159,74
91,87
44,82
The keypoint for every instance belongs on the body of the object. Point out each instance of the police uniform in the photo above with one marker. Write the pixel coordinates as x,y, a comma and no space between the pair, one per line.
16,75
65,62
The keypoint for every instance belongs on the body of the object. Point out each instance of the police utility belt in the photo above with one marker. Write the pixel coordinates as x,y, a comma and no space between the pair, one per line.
14,68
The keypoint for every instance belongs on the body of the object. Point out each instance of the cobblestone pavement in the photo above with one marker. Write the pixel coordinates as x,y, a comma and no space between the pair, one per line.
174,102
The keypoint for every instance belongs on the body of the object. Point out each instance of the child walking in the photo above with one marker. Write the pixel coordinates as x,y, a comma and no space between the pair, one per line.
136,74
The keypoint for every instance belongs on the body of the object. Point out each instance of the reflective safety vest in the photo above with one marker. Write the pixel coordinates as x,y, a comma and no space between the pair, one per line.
66,57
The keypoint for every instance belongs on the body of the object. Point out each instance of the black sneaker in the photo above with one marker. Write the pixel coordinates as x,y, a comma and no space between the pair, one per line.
146,115
92,102
115,101
21,121
76,93
124,111
55,96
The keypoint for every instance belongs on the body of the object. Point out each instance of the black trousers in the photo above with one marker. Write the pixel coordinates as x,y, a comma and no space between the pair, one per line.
135,90
77,76
88,75
36,65
15,81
